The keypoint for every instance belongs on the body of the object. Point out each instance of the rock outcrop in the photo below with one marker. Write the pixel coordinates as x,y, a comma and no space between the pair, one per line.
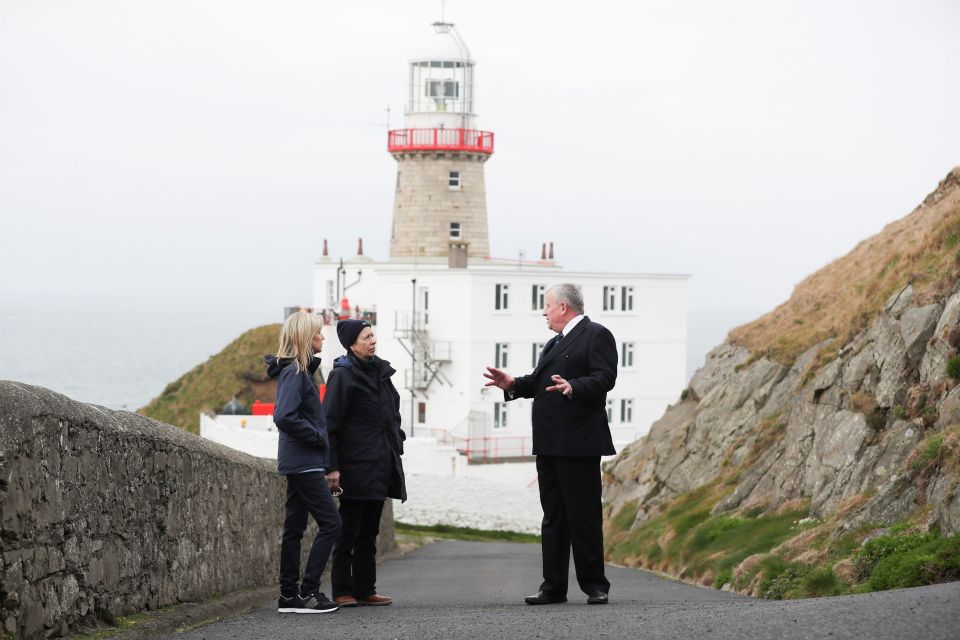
862,427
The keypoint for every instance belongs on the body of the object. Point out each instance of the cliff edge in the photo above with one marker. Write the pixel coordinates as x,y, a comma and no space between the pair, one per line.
821,440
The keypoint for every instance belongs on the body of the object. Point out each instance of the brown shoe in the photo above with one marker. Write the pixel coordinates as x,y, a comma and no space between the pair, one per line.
346,601
374,601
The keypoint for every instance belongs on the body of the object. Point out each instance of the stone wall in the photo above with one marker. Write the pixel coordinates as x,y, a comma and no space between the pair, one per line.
105,513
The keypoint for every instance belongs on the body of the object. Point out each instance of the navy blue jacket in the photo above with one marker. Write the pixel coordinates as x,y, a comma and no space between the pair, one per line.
298,414
575,426
363,412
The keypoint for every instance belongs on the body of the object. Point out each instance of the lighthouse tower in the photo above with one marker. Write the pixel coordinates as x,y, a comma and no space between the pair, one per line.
440,205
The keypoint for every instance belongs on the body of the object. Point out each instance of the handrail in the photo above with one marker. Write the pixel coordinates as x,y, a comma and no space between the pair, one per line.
471,140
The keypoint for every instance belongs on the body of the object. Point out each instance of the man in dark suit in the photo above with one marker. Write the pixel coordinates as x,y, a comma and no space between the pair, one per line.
570,432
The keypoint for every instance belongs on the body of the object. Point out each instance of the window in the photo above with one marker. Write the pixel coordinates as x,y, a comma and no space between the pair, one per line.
499,415
421,412
453,181
425,304
626,411
536,351
609,298
626,354
609,410
626,299
503,297
455,231
398,181
441,88
536,303
501,356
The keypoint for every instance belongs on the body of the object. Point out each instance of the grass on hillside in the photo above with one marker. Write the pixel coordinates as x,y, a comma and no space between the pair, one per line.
922,249
209,386
686,541
447,532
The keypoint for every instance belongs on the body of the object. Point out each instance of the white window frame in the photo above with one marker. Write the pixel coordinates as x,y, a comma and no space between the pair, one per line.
538,297
502,297
454,181
626,298
535,352
610,410
456,230
626,411
627,353
501,355
609,297
499,416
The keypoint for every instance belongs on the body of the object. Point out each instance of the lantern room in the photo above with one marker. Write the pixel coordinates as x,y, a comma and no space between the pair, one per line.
441,83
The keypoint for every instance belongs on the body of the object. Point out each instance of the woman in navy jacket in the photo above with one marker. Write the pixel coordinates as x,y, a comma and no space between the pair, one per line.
303,456
362,409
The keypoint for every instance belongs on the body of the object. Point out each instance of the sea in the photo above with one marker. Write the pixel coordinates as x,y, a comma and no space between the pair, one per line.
120,353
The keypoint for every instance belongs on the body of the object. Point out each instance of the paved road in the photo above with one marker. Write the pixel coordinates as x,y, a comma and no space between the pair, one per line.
475,590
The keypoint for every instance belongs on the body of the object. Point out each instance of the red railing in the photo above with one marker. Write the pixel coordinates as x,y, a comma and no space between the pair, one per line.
469,140
486,447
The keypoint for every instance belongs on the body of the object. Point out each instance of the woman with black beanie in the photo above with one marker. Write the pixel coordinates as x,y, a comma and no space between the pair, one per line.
362,409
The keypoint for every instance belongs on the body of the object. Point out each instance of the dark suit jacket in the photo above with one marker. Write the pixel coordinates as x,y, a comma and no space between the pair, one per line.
575,426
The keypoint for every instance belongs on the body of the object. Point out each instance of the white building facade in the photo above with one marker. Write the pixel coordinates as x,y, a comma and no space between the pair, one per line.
441,326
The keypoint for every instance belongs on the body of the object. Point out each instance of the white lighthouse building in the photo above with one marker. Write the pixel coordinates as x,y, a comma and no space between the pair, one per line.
443,309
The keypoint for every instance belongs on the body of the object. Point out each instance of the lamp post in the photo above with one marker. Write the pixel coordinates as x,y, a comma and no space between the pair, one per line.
413,355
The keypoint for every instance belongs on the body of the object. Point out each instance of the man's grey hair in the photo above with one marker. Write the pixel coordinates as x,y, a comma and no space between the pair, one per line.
569,294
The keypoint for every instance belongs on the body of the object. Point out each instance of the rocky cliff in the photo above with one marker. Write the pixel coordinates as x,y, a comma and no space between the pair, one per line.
813,429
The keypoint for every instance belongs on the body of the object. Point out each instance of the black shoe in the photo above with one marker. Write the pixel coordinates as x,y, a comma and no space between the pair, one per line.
289,605
597,597
544,598
310,603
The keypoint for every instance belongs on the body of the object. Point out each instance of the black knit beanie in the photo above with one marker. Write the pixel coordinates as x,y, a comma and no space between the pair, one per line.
348,330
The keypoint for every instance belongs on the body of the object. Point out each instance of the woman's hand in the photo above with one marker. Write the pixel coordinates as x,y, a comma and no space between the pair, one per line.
333,481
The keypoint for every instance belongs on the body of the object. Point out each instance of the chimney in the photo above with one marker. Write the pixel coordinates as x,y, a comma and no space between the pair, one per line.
457,257
543,251
326,253
359,246
551,249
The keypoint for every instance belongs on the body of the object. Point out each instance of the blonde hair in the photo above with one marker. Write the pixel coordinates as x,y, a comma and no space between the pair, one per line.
296,338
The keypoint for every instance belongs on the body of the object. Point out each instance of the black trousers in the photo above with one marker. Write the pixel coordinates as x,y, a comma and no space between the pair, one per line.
572,516
307,493
354,571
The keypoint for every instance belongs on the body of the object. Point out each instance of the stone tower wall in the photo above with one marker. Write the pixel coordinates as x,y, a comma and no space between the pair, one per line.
425,205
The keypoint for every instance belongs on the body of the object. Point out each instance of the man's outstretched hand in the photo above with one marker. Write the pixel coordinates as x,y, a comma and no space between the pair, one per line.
561,385
498,379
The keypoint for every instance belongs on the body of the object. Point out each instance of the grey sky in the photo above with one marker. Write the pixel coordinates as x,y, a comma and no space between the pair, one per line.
203,150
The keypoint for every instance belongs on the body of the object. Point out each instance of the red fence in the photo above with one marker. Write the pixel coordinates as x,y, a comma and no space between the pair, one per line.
440,140
487,447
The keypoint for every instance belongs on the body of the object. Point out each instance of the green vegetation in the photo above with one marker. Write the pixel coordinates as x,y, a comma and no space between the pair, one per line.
120,625
686,540
446,532
929,452
896,561
953,367
234,372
